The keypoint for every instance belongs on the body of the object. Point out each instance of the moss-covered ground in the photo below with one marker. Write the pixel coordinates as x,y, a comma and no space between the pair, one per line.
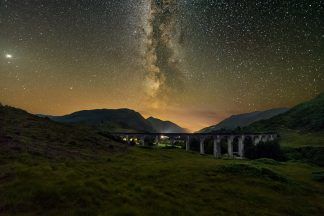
147,181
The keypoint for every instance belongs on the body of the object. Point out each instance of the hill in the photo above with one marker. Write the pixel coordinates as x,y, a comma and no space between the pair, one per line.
305,117
49,168
301,130
165,126
21,132
109,119
157,182
243,120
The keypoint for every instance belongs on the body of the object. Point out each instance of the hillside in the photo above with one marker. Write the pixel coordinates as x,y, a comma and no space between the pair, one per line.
21,132
243,120
305,117
157,182
109,119
165,126
49,168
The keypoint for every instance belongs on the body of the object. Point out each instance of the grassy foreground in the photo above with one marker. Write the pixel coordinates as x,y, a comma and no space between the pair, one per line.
156,182
294,139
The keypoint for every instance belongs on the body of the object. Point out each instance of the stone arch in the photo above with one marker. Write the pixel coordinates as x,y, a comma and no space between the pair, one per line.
194,143
236,145
265,138
248,140
249,145
208,144
257,139
223,145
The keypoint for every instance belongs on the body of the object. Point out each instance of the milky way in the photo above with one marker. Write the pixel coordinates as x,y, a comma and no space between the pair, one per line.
161,63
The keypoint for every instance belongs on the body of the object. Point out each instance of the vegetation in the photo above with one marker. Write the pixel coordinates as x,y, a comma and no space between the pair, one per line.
49,168
310,154
156,182
318,176
165,126
301,131
305,117
291,138
21,132
243,120
264,150
108,120
303,146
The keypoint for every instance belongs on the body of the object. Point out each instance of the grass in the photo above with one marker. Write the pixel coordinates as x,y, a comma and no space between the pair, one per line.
157,182
307,147
291,138
47,168
23,132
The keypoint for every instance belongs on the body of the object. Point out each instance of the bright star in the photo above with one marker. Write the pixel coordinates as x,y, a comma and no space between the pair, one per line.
9,56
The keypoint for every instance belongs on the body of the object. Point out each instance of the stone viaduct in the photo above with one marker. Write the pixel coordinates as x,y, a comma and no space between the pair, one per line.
216,137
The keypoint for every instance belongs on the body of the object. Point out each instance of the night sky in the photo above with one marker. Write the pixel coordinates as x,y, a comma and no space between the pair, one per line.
194,62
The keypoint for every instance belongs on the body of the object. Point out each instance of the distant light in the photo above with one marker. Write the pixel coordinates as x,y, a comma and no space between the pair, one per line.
9,56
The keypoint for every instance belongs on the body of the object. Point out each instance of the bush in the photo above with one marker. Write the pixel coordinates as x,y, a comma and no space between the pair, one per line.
318,176
250,151
269,150
310,154
248,170
267,161
264,150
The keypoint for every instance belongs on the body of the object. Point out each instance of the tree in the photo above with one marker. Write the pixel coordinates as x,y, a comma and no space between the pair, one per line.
264,150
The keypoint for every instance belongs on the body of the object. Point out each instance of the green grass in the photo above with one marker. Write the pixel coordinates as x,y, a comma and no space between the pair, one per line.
307,147
157,182
294,139
47,168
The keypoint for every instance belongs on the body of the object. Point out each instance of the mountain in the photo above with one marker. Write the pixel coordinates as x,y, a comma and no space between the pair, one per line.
21,132
165,126
108,119
50,168
243,120
306,117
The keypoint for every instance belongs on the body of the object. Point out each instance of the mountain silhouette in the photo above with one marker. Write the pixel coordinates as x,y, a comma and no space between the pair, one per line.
165,126
22,132
243,120
108,119
307,116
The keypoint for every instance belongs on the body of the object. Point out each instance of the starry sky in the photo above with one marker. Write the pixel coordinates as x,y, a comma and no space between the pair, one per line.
194,62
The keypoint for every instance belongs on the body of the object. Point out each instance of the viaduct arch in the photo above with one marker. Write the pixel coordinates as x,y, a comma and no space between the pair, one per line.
216,140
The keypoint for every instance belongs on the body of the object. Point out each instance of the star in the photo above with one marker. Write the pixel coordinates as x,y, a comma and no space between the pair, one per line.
9,56
168,58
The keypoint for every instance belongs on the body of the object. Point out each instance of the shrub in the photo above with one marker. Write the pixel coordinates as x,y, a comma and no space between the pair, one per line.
248,170
318,176
250,151
268,161
264,150
269,150
310,154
